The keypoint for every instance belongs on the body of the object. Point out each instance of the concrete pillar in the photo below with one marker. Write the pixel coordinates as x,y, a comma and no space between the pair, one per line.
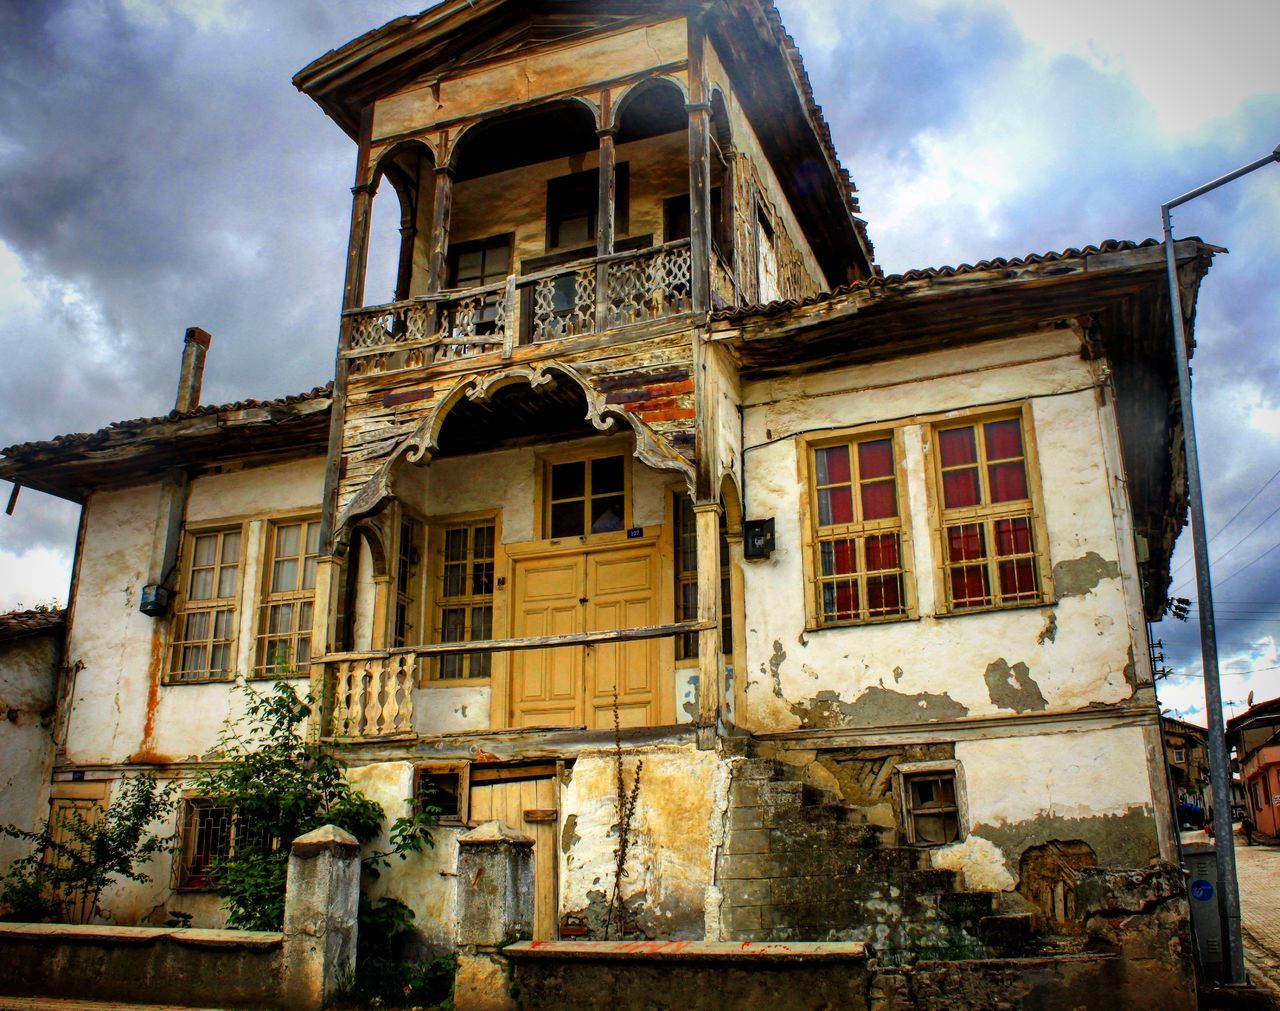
495,907
321,900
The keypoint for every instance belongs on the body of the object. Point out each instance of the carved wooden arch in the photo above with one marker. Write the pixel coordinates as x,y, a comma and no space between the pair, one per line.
449,156
423,442
373,537
731,503
385,159
639,88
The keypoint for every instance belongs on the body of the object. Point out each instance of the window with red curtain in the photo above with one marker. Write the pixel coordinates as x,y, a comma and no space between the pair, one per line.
988,522
859,568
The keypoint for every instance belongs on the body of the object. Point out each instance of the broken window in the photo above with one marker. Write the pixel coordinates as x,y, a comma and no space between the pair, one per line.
204,622
587,496
445,789
859,565
464,594
686,567
932,815
288,603
989,536
205,839
767,284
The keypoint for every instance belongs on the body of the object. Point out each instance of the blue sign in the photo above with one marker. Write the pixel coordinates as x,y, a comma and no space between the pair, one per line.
1201,890
635,532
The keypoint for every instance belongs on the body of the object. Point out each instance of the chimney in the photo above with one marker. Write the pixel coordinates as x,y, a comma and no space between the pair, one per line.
195,346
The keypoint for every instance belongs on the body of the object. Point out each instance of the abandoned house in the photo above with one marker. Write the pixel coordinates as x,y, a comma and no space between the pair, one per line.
860,564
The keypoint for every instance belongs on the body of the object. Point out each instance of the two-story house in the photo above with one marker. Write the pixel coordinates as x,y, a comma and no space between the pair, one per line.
853,560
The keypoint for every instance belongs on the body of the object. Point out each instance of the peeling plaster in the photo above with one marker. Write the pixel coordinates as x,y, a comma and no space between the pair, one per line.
1050,631
877,706
1077,576
1013,688
1120,840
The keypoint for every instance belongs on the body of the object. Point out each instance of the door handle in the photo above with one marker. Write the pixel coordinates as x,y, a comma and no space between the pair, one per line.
582,600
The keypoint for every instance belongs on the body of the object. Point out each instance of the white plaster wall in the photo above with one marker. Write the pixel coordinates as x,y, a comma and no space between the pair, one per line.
1088,775
28,679
120,711
934,666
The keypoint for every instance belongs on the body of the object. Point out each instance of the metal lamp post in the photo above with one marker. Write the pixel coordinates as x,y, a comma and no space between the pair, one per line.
1219,768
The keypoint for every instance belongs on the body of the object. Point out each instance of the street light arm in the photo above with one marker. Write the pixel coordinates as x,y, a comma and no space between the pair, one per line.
1220,181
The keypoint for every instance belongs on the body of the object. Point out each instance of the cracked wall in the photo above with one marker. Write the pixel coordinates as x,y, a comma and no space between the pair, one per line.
28,680
1075,654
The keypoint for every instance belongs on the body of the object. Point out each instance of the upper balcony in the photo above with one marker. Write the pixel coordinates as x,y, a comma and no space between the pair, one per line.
569,219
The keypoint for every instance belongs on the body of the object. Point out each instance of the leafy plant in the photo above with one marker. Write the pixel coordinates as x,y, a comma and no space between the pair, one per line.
75,856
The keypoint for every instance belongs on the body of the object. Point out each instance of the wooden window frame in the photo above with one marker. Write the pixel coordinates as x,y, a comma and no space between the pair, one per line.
621,207
267,598
987,514
462,770
905,772
436,600
585,456
182,871
813,536
686,644
408,591
174,672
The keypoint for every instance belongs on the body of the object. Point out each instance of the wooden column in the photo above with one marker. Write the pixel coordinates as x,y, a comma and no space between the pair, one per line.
440,228
408,237
699,109
710,660
352,298
738,590
605,215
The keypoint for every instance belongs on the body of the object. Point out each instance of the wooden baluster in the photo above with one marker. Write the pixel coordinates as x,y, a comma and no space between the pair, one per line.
409,679
391,708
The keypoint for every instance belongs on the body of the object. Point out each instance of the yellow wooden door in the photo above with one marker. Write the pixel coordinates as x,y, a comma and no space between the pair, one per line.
526,801
622,592
546,684
77,906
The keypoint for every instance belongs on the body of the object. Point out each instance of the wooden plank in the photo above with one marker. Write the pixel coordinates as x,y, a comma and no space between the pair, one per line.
532,642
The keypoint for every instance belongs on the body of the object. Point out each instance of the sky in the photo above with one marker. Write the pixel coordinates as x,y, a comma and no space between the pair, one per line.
159,171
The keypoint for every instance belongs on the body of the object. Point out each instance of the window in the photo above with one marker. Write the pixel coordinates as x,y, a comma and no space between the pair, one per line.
587,497
573,207
676,218
408,573
206,838
932,814
767,286
989,535
288,603
204,623
858,566
476,265
464,595
686,552
444,788
1179,755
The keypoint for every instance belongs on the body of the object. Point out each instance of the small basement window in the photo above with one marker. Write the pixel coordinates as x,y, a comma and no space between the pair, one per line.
932,814
445,789
206,838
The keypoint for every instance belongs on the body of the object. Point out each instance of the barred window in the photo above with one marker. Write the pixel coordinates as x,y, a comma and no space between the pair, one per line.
859,569
686,552
988,521
464,595
288,604
205,839
204,623
933,816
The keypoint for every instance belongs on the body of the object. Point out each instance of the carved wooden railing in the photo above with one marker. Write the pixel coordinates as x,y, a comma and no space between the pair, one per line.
373,690
578,298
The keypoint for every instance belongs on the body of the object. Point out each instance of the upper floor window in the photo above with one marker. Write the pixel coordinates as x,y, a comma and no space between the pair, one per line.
479,264
768,284
587,496
573,207
204,622
464,594
989,539
859,568
686,568
288,600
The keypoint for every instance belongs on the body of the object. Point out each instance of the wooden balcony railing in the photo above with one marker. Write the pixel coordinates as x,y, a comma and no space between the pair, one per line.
373,690
583,297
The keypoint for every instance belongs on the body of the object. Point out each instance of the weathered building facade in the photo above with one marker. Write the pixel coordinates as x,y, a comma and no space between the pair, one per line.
859,564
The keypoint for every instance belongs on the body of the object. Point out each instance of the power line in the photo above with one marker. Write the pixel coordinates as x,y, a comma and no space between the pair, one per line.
1234,516
1218,560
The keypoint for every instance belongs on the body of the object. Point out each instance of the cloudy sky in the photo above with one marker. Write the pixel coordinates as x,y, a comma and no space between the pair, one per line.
158,170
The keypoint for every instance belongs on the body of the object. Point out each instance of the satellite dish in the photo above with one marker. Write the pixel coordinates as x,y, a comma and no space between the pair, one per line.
1250,702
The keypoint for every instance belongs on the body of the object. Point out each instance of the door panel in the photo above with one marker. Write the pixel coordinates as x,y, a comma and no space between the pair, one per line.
510,801
622,592
545,682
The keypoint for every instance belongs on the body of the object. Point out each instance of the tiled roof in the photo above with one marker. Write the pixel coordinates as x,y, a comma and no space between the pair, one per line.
17,623
126,427
926,273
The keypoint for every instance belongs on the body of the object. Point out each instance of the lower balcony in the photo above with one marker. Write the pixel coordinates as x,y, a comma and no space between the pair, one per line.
581,680
584,297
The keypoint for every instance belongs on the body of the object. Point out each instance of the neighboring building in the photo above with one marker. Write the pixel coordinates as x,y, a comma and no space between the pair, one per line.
1186,752
857,562
30,658
1255,737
